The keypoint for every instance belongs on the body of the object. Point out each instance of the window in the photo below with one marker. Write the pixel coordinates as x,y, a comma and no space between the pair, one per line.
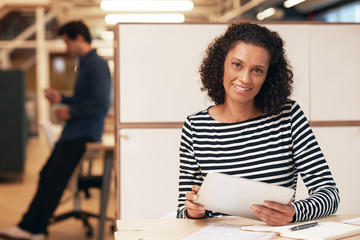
346,13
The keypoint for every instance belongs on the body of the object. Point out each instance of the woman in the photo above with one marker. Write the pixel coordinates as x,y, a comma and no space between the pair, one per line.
254,130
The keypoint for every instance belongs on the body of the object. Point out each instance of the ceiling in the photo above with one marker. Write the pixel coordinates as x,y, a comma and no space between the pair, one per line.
204,10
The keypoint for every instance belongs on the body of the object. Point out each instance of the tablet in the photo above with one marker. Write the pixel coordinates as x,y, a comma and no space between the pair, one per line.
234,196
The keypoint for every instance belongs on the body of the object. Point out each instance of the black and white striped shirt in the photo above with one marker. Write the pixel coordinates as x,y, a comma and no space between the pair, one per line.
268,148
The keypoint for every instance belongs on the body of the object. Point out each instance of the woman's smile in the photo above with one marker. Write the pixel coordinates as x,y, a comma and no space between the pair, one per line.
241,89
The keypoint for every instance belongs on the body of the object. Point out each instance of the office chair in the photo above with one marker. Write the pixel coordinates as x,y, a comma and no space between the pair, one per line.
84,182
78,182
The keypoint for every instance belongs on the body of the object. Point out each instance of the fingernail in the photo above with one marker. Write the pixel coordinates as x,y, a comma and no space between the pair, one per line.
195,198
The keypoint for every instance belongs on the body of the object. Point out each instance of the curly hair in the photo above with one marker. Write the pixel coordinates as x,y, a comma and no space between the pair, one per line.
277,87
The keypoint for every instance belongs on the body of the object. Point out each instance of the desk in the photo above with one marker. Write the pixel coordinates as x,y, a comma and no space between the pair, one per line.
164,229
107,145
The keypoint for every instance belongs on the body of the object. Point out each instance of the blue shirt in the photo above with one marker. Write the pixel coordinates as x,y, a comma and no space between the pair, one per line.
90,102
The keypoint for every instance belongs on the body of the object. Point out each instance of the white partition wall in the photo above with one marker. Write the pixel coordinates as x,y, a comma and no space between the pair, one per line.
158,86
341,147
159,79
335,82
149,172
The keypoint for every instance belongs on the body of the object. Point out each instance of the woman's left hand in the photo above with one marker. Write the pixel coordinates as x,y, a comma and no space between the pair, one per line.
273,213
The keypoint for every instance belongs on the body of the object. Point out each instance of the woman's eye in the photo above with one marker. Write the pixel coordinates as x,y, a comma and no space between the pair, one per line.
258,70
236,64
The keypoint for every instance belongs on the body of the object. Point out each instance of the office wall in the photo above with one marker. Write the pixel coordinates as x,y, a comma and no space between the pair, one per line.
158,82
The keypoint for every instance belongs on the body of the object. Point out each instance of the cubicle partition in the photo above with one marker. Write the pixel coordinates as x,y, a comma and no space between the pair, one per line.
158,86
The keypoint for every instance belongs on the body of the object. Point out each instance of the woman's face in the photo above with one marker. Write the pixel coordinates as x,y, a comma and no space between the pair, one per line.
245,70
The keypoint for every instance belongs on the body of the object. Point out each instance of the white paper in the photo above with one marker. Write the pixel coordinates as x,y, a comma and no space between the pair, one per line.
235,196
227,232
354,221
325,230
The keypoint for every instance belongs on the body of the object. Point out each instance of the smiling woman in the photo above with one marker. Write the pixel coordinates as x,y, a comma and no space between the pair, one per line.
279,77
245,71
254,130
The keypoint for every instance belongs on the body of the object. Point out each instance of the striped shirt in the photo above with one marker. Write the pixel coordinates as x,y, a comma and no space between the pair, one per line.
268,148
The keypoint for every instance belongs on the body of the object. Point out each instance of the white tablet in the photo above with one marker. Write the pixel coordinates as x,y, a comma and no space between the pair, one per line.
233,195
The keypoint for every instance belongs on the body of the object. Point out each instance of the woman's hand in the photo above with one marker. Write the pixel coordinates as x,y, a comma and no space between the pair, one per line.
273,213
194,210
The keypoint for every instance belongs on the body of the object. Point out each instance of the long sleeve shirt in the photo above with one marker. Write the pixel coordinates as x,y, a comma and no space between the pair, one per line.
90,103
269,148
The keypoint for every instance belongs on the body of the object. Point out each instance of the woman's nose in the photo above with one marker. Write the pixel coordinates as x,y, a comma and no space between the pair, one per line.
245,77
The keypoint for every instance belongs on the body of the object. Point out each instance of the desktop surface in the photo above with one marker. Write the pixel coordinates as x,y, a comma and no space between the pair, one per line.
161,229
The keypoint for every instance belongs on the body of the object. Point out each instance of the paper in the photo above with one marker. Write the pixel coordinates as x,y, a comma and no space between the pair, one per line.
227,232
234,195
354,221
324,231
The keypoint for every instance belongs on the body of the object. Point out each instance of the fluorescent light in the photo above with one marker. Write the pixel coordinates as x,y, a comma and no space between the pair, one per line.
291,3
265,14
143,5
145,18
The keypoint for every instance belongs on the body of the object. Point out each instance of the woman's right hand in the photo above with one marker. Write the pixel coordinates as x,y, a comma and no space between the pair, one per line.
194,210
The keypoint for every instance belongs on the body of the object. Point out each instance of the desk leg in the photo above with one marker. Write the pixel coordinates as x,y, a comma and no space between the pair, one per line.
108,164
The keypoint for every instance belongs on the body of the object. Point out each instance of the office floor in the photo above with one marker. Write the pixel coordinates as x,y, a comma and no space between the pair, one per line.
15,197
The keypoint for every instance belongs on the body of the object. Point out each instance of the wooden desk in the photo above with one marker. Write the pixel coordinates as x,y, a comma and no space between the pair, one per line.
164,229
108,146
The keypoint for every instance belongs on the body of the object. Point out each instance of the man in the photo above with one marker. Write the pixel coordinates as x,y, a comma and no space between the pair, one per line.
84,114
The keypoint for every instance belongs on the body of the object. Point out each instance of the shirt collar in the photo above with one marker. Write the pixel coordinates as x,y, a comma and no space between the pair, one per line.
87,56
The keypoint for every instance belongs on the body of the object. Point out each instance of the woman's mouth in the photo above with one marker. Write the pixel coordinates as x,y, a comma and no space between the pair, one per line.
241,88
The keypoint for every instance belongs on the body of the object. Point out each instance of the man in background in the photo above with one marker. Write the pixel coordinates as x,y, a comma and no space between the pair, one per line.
84,114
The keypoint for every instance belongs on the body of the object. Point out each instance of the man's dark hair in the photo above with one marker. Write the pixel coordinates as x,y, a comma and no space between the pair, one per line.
75,28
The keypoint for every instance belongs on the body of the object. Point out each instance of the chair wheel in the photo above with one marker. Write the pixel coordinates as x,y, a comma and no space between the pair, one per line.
89,233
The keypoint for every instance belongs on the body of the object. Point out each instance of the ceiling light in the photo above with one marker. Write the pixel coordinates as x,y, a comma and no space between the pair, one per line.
265,14
145,18
144,5
291,3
